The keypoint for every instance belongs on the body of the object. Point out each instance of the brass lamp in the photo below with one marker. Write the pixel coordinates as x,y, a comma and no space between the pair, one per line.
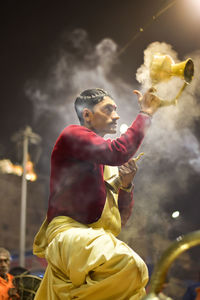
163,68
160,271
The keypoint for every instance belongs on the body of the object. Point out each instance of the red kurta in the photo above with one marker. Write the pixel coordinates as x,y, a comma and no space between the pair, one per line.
77,186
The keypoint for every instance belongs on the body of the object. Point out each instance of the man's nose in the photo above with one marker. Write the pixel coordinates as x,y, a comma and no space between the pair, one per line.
115,115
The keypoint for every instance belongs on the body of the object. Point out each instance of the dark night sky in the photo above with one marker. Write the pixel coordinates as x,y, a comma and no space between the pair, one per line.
31,34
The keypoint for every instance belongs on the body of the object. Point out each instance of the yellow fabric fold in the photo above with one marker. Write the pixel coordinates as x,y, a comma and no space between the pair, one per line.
87,262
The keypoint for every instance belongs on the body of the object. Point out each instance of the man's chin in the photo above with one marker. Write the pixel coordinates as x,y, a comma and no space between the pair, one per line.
2,273
112,131
108,131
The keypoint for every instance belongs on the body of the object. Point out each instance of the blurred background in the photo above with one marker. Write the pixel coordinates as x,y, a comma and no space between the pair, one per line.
50,52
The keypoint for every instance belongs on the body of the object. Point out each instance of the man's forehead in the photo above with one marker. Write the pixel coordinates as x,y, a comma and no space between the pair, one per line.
4,256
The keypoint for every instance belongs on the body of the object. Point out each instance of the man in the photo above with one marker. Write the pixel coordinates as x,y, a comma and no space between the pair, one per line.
7,289
88,203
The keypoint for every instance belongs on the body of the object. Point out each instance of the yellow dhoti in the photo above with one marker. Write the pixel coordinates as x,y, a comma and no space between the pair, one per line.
87,262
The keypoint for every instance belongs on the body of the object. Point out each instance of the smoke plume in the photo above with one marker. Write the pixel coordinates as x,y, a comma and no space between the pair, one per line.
172,150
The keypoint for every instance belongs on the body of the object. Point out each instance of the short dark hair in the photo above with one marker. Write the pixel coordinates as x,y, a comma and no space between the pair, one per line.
88,99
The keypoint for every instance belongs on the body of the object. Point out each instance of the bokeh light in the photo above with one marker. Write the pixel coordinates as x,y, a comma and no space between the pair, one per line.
175,214
193,7
123,128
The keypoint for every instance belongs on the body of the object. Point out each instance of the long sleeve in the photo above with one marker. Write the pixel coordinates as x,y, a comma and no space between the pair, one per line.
84,144
77,187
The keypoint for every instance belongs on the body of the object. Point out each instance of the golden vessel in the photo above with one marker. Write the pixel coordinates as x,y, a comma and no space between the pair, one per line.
159,274
163,68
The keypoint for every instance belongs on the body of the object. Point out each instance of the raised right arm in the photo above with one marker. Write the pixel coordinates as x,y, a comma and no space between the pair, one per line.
81,143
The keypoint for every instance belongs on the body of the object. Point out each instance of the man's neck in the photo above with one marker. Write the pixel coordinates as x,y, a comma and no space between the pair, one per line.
97,132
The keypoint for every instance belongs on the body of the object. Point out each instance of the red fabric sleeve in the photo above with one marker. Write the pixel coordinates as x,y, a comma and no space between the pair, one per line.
84,144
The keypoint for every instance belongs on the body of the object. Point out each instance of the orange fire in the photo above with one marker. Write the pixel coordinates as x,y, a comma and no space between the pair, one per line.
6,166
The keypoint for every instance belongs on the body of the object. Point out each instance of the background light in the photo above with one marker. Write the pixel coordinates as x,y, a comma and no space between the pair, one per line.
194,3
123,128
175,214
193,7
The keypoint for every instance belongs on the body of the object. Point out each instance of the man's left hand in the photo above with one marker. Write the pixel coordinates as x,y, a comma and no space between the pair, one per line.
127,173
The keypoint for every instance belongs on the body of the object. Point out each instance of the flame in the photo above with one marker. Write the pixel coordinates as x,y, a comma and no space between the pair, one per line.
30,173
7,167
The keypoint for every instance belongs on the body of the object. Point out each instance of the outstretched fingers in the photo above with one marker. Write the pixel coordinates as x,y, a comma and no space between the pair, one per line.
139,95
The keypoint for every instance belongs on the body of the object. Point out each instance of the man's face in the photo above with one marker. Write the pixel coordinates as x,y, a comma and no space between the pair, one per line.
4,264
103,118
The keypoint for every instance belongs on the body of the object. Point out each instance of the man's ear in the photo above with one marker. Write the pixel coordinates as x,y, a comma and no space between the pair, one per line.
87,114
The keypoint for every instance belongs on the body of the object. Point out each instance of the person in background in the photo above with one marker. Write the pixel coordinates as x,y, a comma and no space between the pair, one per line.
7,289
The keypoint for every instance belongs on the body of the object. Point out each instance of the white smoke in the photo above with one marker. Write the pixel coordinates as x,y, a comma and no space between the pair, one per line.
171,146
85,66
172,153
172,134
